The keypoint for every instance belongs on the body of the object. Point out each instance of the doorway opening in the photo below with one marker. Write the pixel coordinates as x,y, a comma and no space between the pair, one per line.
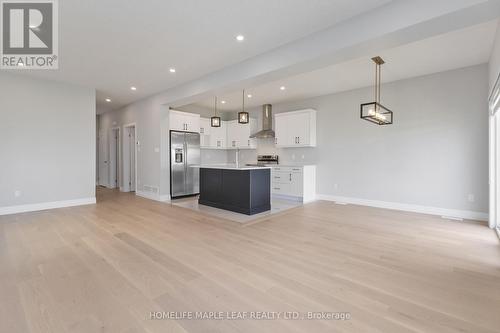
114,158
129,158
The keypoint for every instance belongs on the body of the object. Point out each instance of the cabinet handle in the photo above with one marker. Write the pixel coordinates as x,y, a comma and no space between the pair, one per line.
298,139
248,143
276,188
290,177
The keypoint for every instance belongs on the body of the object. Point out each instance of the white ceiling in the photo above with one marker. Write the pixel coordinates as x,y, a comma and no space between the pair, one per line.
457,49
114,44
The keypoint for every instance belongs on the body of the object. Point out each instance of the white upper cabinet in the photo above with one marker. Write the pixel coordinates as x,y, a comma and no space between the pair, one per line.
238,135
218,136
184,121
295,129
204,132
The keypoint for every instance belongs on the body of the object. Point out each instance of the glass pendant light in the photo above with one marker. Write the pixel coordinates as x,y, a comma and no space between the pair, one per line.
243,115
215,121
374,111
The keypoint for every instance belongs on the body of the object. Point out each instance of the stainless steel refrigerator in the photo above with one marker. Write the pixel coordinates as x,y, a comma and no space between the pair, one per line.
184,164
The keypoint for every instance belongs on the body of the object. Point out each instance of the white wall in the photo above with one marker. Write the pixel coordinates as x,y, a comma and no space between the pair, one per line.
435,154
494,63
47,144
148,119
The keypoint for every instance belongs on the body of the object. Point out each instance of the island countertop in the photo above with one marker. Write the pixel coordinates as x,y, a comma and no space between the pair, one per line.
231,167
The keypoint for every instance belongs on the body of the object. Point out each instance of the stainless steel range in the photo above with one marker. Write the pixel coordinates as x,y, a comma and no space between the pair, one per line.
264,160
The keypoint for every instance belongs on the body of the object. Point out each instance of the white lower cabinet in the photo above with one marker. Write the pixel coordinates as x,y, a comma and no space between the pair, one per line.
296,183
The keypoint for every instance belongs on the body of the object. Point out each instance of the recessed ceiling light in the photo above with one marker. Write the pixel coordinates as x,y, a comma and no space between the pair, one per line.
223,102
282,88
240,38
172,70
133,88
108,100
249,95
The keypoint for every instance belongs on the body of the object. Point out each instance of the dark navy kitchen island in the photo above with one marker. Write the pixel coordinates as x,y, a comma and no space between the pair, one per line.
245,190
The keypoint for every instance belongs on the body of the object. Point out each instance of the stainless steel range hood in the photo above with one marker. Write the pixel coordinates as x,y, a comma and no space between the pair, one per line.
267,123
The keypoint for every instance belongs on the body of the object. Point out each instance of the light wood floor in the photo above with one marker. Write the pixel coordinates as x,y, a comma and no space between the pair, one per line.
105,267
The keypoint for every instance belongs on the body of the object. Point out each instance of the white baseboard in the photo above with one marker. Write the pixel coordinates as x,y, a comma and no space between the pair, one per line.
153,196
165,198
148,195
455,213
45,205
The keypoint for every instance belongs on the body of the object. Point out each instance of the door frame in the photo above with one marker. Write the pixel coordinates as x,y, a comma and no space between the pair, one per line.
126,146
118,157
494,155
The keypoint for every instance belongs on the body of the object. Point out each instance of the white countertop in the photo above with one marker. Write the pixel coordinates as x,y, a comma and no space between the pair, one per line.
232,167
288,165
294,165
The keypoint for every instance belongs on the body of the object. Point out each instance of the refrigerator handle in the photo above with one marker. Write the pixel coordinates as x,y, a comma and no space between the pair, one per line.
185,162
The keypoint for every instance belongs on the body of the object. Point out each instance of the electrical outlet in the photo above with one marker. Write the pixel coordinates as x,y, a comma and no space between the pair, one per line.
471,197
17,193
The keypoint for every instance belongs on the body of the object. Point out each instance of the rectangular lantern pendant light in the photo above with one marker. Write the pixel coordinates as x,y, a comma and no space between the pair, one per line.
374,111
243,115
215,121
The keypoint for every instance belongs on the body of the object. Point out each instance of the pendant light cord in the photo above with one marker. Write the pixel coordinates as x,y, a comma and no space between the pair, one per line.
378,75
379,81
215,106
243,110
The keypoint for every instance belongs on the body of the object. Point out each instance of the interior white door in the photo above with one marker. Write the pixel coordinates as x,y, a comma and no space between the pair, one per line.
103,158
132,147
114,159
